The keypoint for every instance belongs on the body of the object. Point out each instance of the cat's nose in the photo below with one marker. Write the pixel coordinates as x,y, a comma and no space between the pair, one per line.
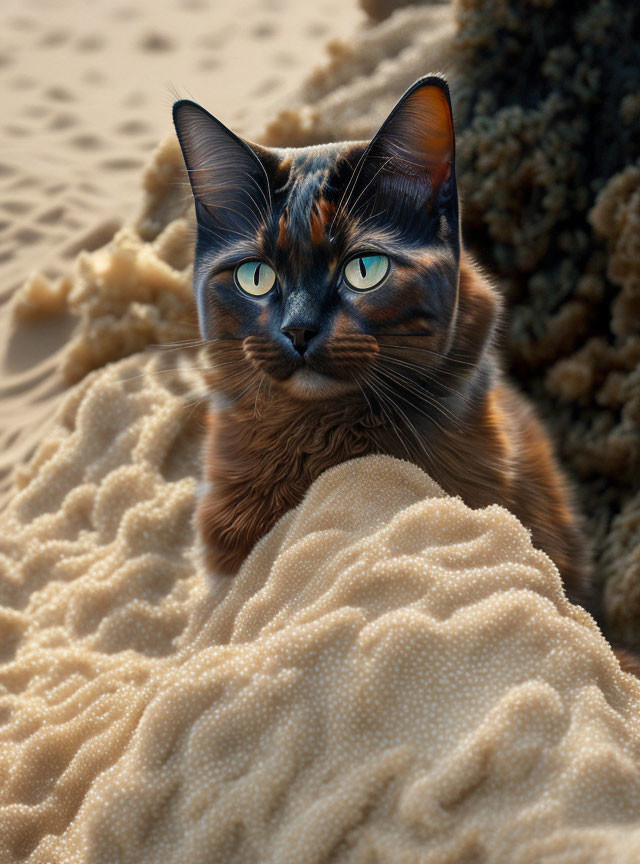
300,336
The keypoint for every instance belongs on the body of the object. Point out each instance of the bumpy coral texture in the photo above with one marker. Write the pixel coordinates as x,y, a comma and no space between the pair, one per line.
549,100
391,676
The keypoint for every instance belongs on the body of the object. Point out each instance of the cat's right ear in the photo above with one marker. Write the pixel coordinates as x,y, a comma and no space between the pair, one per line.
229,182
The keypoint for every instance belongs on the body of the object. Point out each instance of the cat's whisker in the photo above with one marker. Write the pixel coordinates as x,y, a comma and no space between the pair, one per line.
174,369
363,222
345,209
424,373
208,230
447,357
178,344
181,370
422,396
244,235
383,401
247,235
412,428
164,350
194,403
220,189
259,213
348,208
347,191
406,383
194,342
267,201
398,395
419,440
254,210
342,211
246,391
256,415
369,405
236,379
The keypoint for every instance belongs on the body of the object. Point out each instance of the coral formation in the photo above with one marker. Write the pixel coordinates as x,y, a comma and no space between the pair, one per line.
551,188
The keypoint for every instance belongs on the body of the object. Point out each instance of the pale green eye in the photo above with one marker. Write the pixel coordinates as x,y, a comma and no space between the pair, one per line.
255,277
366,271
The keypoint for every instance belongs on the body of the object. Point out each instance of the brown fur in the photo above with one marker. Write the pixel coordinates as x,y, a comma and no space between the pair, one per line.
264,453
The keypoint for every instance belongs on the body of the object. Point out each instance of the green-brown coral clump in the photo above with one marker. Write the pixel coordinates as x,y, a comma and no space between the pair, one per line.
549,100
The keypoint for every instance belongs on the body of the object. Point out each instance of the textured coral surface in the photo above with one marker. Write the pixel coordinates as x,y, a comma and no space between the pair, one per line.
549,99
392,676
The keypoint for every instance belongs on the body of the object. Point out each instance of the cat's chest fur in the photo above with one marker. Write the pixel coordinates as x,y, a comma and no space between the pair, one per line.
259,462
261,458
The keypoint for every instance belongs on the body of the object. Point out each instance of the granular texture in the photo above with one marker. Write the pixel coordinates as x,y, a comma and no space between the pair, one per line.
391,676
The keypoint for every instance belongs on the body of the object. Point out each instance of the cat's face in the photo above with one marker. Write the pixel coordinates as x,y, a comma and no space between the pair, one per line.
313,264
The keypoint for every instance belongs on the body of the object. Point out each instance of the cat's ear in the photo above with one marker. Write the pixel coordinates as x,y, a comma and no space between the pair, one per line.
228,180
415,142
418,133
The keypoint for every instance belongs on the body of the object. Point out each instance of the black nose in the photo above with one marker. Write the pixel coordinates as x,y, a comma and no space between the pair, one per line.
300,337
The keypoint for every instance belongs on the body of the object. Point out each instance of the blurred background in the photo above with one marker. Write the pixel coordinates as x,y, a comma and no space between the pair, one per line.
546,98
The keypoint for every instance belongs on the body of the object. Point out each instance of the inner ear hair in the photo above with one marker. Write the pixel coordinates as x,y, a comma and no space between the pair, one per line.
226,175
418,135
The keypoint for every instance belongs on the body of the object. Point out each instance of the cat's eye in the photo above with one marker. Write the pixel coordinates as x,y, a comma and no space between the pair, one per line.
255,278
366,272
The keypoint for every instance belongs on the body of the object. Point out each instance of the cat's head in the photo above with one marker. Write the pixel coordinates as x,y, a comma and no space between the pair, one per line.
313,264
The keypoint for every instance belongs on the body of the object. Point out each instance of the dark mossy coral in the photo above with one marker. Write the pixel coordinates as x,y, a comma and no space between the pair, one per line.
549,100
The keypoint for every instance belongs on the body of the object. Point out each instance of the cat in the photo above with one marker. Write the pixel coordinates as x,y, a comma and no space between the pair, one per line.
342,317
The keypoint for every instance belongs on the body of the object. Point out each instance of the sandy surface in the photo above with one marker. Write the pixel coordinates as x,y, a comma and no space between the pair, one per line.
390,677
86,94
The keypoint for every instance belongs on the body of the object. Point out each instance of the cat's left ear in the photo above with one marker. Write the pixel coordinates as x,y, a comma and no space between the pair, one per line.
229,182
416,140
